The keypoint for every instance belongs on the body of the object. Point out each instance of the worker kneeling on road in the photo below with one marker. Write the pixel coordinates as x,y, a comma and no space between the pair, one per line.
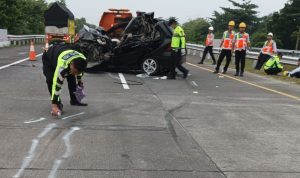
273,66
61,62
295,72
178,43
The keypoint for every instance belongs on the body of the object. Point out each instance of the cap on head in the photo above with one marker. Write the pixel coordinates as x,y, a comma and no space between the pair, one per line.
211,28
243,25
80,64
231,23
280,54
172,20
270,34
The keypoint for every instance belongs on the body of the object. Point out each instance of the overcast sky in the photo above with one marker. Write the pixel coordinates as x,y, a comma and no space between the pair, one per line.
189,9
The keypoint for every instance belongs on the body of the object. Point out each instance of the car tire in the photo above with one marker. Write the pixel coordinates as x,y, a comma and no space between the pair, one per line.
150,66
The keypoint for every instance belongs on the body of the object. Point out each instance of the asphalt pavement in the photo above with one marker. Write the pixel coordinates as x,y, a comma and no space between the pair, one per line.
208,126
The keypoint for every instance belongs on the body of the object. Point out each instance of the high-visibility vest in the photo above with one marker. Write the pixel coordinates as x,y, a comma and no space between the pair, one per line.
209,40
241,41
268,48
273,62
178,39
227,40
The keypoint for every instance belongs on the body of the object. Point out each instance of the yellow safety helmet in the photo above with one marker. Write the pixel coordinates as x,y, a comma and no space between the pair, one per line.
286,73
231,23
242,25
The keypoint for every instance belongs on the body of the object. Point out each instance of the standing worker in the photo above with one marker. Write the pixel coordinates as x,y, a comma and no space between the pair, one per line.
209,43
226,46
241,43
273,66
267,51
61,62
178,43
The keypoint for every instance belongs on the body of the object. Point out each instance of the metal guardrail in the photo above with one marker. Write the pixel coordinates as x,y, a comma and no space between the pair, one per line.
194,49
25,39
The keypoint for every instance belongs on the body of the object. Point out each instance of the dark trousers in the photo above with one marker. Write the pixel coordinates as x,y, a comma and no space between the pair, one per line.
297,75
210,50
224,53
49,71
240,60
273,71
176,63
262,59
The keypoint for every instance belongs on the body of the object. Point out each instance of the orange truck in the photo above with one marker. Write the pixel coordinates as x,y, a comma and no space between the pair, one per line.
114,17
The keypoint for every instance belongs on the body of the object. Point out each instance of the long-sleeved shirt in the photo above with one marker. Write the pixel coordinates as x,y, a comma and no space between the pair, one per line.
293,72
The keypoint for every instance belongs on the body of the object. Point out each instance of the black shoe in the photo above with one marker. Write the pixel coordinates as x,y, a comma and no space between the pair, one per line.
241,74
76,103
171,78
224,72
185,75
200,62
215,72
60,106
236,74
214,63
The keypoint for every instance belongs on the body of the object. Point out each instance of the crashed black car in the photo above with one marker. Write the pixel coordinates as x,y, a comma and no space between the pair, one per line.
145,45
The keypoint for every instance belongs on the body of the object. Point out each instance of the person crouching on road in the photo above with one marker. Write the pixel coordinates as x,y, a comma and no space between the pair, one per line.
295,72
267,51
60,62
209,44
226,46
178,43
241,43
273,66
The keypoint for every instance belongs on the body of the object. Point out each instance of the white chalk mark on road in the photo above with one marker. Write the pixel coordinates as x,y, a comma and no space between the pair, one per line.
55,167
66,139
34,121
17,62
123,81
28,158
67,153
195,92
194,83
73,116
46,130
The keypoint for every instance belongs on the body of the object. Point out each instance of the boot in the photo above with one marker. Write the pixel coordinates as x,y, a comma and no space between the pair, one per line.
76,103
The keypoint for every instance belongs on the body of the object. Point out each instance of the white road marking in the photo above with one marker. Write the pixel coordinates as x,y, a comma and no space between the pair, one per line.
123,81
67,153
73,116
46,130
195,92
34,121
17,62
194,83
28,158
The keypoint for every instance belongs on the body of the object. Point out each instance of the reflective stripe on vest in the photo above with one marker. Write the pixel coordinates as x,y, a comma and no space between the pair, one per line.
66,57
227,43
268,48
240,42
209,40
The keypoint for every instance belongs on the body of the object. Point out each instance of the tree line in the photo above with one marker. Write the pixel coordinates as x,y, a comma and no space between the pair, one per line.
22,17
285,24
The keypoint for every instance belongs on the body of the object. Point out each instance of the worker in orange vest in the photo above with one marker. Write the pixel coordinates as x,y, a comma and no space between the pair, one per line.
267,51
209,44
241,43
226,46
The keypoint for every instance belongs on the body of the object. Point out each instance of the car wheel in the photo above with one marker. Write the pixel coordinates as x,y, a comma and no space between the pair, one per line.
150,66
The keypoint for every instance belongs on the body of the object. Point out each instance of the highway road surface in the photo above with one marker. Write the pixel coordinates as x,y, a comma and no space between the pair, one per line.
208,126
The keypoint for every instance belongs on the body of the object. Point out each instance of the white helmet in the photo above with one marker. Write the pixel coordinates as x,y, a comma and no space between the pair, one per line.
211,28
270,34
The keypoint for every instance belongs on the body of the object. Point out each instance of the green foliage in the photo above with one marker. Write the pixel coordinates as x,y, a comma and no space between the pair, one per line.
196,30
241,12
80,23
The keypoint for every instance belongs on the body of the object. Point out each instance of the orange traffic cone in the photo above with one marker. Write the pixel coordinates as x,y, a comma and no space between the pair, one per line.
46,45
32,54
